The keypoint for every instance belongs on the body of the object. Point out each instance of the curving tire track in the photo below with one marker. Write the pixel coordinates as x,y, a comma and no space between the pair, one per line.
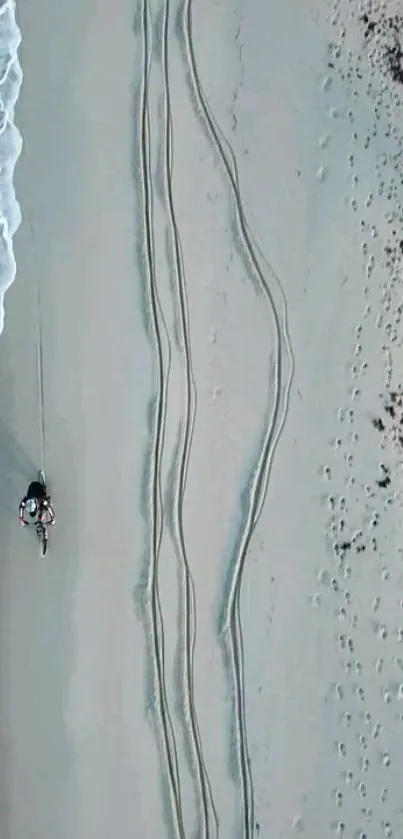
156,506
282,385
208,811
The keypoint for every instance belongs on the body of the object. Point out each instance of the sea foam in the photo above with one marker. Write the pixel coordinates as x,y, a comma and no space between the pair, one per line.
10,144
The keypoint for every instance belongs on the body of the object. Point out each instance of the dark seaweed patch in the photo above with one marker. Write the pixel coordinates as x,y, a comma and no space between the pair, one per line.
378,423
394,61
385,481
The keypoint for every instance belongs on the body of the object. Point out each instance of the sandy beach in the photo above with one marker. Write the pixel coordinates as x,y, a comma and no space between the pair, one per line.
210,257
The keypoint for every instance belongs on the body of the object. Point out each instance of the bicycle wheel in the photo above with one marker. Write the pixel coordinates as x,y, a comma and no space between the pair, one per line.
42,534
44,544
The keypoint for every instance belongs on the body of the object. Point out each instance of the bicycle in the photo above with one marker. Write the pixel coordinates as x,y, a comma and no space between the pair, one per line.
41,527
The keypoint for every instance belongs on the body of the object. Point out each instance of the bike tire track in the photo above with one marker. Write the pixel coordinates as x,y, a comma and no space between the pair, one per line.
185,445
280,407
156,504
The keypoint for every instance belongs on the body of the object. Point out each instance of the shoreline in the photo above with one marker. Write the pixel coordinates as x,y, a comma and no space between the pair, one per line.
10,145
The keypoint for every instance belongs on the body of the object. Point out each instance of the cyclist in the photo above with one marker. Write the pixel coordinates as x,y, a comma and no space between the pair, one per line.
38,505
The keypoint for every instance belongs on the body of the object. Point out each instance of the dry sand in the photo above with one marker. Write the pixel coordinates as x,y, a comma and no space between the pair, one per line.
287,719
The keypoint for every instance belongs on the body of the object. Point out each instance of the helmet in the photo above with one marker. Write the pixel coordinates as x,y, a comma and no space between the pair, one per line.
32,506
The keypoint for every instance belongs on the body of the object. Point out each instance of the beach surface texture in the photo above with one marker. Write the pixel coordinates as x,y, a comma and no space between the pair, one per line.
201,345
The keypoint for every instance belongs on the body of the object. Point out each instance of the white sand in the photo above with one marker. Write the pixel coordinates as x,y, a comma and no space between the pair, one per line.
81,720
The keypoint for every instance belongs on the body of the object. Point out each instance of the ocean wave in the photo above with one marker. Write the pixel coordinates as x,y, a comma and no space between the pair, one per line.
10,144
